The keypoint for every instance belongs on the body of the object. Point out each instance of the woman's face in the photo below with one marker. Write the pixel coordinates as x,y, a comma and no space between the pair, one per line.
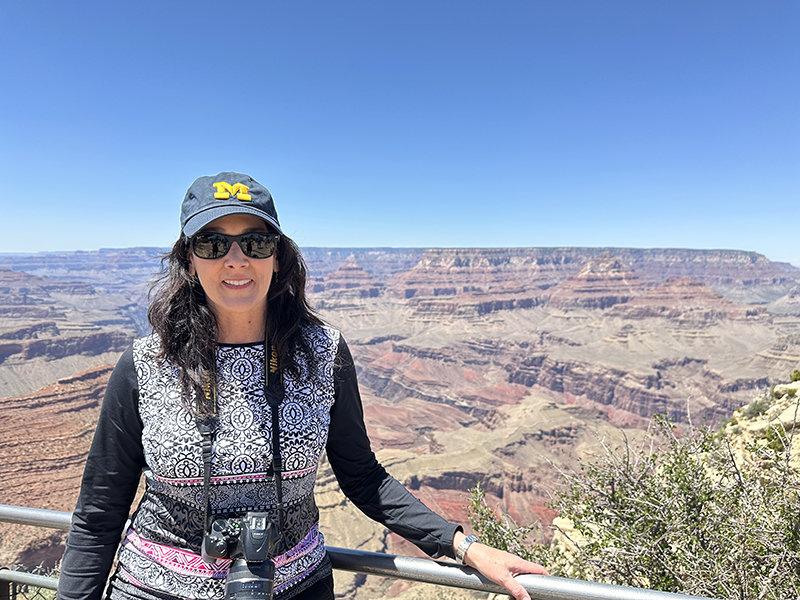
236,285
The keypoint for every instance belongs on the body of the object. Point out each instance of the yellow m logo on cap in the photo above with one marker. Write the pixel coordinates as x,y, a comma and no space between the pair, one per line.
226,190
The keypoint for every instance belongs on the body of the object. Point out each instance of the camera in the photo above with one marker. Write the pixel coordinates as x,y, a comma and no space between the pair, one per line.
250,541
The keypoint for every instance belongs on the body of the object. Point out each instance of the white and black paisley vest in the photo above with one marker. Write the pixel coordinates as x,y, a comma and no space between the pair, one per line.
160,552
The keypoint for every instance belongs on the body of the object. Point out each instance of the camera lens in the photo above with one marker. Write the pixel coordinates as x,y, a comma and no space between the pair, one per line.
250,581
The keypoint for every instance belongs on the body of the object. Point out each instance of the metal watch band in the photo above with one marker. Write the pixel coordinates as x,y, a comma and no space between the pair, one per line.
461,551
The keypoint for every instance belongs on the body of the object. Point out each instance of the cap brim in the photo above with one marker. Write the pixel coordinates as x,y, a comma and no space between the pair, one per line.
203,218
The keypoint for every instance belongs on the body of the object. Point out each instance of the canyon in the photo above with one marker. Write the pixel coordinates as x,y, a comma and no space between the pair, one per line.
489,365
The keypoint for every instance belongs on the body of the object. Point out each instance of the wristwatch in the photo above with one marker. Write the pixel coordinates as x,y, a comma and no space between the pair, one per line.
461,551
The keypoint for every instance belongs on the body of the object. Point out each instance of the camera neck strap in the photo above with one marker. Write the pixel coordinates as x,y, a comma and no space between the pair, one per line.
206,426
273,392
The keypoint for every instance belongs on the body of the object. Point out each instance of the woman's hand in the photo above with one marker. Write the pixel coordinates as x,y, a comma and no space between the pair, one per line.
499,566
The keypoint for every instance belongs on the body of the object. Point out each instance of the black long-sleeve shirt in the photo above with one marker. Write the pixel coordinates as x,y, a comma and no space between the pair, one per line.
118,456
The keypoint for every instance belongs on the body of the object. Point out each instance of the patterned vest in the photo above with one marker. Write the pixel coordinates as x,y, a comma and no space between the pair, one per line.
161,550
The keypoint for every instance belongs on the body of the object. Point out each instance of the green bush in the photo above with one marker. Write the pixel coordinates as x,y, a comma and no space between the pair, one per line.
758,406
795,375
502,533
687,514
776,437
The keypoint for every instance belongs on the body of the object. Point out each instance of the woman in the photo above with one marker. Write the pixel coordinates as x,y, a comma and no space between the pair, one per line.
233,293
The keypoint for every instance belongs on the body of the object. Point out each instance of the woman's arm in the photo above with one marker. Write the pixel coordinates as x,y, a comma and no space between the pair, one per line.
386,500
365,482
109,484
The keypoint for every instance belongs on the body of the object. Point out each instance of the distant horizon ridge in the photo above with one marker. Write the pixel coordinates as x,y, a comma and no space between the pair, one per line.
392,249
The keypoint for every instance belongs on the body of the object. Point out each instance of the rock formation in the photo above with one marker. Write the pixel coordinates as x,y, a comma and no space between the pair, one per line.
474,304
602,282
474,363
44,440
92,342
685,301
19,288
785,351
745,275
349,276
788,304
447,272
111,270
382,263
50,328
338,289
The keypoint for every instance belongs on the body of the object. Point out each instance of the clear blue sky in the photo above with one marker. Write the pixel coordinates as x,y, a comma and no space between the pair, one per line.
387,123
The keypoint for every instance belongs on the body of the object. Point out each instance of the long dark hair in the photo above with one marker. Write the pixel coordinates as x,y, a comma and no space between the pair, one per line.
180,316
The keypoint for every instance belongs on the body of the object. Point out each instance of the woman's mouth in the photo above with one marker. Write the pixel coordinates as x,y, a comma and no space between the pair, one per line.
237,282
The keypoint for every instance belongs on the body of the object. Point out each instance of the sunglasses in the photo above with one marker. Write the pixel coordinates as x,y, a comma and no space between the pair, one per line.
216,245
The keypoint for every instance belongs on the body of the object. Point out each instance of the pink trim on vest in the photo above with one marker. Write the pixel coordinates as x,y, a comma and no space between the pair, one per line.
189,563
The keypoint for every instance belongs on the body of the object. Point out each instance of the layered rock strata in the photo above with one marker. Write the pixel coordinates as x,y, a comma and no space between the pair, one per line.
450,271
112,270
475,304
786,350
746,275
339,288
788,304
50,328
382,263
44,440
476,364
91,342
601,283
685,301
447,272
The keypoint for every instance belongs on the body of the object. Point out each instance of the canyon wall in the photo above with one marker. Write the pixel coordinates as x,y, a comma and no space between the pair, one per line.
44,440
485,366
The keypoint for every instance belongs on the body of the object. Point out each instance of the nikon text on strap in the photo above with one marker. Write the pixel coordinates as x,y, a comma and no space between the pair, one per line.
273,392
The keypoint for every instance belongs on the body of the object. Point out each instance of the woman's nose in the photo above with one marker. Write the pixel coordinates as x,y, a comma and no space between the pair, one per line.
235,256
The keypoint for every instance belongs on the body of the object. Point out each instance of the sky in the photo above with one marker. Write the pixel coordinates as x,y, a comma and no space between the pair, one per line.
407,124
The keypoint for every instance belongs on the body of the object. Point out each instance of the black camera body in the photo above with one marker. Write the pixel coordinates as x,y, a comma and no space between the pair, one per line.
250,541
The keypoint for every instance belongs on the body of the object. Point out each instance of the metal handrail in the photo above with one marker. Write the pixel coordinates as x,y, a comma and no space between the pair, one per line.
38,517
22,578
374,563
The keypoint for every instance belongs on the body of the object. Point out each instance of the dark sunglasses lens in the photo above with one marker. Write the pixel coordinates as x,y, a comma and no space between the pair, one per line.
258,245
210,245
216,245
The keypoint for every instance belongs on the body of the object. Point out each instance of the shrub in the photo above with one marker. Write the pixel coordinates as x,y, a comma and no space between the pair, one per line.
692,517
795,375
502,532
776,437
693,514
758,406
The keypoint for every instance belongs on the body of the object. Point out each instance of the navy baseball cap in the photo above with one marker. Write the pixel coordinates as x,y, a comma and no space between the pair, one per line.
227,193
